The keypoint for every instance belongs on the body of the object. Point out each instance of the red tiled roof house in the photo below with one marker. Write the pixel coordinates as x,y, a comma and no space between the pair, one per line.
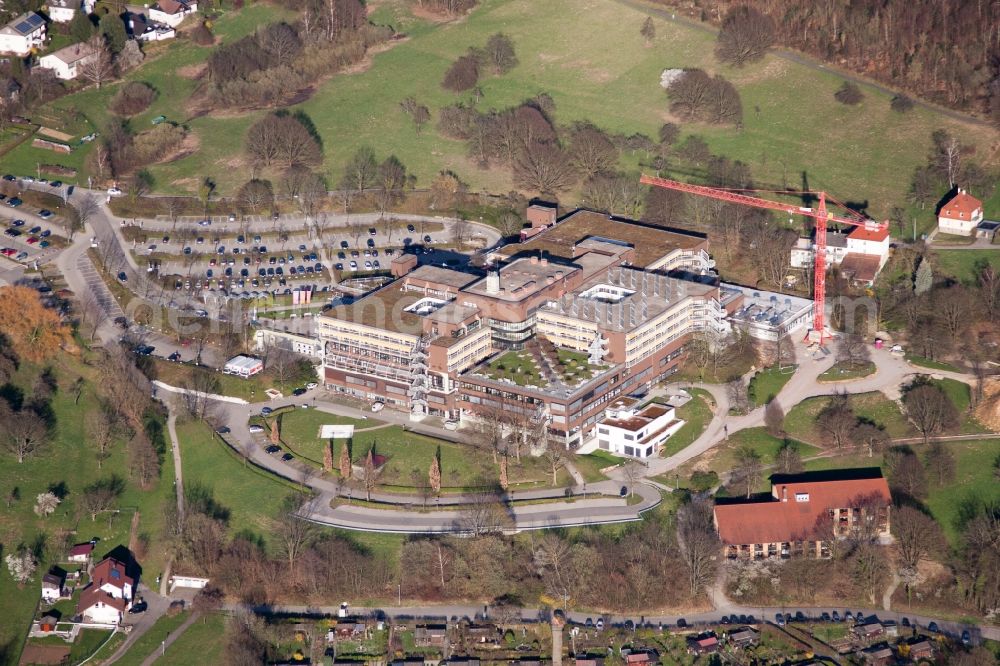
961,215
804,513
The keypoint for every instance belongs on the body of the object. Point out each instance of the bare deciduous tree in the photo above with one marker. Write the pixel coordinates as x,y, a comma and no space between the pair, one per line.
698,544
745,36
23,433
99,68
929,408
917,535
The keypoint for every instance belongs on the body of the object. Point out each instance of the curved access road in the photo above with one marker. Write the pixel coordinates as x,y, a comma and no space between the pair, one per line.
349,506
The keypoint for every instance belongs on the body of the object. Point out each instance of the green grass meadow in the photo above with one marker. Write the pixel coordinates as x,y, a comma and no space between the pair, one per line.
595,67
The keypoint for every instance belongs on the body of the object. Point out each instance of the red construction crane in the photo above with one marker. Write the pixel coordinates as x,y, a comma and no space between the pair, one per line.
819,213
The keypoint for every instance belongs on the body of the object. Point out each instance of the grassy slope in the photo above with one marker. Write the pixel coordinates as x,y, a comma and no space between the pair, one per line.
595,67
767,383
202,643
150,641
69,460
800,420
697,414
960,264
253,499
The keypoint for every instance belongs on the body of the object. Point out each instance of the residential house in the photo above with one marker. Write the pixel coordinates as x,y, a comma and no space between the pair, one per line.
110,576
98,605
81,552
431,635
861,253
142,29
62,11
923,649
744,637
172,12
69,62
52,587
878,655
960,215
803,513
629,430
706,643
23,34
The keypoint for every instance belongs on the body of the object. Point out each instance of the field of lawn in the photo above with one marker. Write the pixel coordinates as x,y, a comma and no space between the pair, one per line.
591,464
69,462
697,414
595,67
767,383
961,264
800,422
87,643
202,643
252,389
409,454
974,484
930,363
722,457
840,372
253,497
150,641
960,395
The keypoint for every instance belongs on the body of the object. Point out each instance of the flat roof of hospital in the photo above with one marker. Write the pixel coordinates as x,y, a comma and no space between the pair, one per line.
650,242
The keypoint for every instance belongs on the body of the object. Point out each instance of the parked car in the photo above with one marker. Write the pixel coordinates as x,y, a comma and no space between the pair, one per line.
14,202
176,356
266,411
256,429
311,385
114,192
272,449
122,277
287,457
45,214
299,391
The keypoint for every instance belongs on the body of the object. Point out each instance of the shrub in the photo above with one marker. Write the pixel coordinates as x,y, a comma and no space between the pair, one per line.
462,75
201,35
901,104
849,94
702,481
132,98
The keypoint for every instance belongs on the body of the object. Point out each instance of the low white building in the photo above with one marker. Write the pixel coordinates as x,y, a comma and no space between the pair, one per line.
299,339
630,431
142,29
243,366
767,315
187,582
804,250
23,34
62,11
68,62
172,12
961,215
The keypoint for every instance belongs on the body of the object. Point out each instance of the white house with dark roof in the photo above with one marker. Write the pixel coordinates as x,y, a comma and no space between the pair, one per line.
23,34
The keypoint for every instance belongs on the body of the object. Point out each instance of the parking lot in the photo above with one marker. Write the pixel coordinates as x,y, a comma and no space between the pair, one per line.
29,234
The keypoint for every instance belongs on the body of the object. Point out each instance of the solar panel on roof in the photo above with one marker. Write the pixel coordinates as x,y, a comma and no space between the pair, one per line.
35,20
23,27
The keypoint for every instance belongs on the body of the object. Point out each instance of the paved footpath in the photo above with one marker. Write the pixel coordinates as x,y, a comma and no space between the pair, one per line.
169,640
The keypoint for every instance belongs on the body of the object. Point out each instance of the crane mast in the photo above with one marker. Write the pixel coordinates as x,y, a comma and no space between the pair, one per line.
819,213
